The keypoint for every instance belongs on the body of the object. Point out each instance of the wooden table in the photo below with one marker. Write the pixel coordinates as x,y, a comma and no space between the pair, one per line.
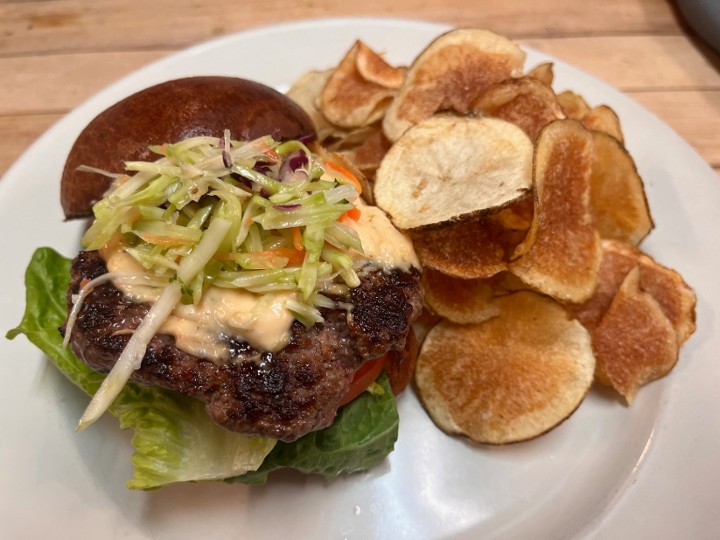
56,53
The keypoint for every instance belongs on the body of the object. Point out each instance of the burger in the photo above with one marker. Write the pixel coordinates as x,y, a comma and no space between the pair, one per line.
236,301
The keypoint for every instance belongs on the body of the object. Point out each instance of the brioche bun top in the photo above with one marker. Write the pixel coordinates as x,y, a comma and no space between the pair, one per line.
170,112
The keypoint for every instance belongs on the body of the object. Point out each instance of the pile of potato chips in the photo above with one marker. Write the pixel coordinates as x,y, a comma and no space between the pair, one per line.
526,211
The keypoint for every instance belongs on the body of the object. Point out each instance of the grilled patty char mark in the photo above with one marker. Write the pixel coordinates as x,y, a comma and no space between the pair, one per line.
282,395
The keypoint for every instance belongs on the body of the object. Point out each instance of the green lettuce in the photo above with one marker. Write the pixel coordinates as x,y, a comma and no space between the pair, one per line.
362,435
174,439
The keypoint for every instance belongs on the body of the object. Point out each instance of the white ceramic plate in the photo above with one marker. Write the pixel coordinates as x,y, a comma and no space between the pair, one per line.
652,470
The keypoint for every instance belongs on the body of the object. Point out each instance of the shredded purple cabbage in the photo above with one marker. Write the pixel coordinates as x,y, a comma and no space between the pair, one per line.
289,170
286,207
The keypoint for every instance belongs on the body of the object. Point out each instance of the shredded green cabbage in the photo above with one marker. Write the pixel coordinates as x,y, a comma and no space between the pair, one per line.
282,202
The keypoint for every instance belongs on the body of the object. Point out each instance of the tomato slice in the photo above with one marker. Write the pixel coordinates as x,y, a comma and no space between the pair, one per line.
364,377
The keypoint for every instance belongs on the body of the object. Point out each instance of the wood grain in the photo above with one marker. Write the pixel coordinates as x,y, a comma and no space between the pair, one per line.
30,28
60,82
643,62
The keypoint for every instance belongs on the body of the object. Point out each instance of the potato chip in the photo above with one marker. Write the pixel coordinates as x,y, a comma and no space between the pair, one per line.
561,254
516,217
449,74
450,168
423,325
617,195
674,296
305,91
476,249
368,155
573,105
614,266
373,68
462,301
510,378
634,343
672,293
525,101
348,99
337,139
506,282
603,118
543,73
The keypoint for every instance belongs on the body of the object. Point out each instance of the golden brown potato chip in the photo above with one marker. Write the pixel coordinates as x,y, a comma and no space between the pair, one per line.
672,293
449,74
424,324
510,378
458,300
617,194
518,216
451,168
614,266
475,249
373,68
573,105
635,342
335,138
305,91
561,254
543,73
348,99
525,101
674,296
603,118
368,155
506,282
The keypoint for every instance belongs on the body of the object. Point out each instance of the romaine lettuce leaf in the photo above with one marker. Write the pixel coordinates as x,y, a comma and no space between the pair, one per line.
174,439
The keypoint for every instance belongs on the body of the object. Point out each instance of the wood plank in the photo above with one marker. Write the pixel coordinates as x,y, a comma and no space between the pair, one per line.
638,62
76,25
57,83
20,132
694,115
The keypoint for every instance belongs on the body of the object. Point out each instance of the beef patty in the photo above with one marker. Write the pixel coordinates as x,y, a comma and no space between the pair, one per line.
282,395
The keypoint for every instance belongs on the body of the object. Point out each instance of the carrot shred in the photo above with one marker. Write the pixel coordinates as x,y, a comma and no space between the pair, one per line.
163,241
351,215
224,256
295,256
347,174
297,239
